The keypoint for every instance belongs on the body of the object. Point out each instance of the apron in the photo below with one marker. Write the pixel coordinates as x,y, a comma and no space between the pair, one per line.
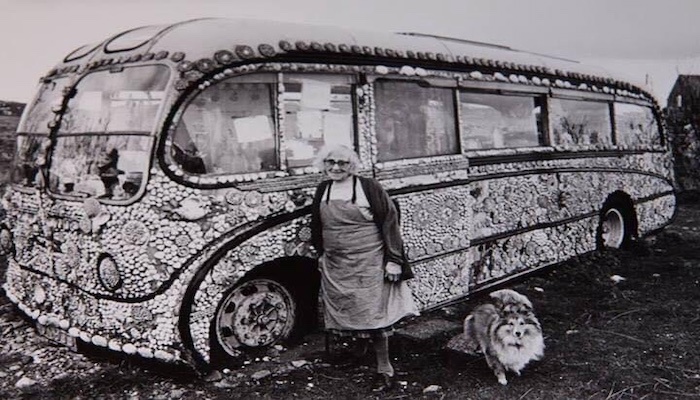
355,293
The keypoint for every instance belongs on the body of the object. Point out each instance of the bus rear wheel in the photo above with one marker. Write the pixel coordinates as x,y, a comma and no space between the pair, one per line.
254,314
615,230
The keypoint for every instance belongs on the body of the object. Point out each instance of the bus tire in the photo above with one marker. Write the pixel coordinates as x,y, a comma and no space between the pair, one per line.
264,309
253,314
617,225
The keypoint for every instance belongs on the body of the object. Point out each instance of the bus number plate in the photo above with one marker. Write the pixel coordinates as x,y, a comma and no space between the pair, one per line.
58,336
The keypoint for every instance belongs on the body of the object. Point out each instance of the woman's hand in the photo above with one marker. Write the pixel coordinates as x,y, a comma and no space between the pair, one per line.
392,271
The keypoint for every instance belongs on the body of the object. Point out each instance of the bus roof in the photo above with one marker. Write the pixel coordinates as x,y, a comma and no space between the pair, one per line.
248,39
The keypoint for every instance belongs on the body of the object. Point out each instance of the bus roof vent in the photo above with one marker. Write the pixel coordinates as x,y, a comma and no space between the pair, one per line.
133,39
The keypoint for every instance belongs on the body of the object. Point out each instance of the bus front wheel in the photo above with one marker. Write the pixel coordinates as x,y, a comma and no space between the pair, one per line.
254,314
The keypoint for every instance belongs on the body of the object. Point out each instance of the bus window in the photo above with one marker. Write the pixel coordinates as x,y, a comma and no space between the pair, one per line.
228,128
31,157
125,101
580,123
40,111
103,166
318,112
103,145
33,131
414,121
635,126
491,121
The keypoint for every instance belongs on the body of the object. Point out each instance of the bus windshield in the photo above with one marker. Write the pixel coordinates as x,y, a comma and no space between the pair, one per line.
113,101
33,132
39,114
103,145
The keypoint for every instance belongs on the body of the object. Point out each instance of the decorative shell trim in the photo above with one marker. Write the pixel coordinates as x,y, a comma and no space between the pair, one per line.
506,71
90,338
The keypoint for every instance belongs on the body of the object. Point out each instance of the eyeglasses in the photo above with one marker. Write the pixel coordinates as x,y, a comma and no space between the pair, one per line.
340,163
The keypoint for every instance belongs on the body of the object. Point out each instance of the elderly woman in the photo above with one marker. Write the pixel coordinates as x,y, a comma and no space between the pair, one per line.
355,228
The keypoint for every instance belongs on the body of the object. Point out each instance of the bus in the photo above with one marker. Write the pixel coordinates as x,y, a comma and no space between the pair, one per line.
161,188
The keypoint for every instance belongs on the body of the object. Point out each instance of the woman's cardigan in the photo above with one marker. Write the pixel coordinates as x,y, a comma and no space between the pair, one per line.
386,217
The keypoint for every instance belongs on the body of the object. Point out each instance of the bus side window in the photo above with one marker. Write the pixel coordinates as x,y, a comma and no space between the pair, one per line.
580,123
414,121
228,128
318,112
494,121
636,126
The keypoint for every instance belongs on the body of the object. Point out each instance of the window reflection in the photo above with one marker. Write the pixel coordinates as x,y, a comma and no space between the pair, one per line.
635,126
31,157
414,121
39,112
107,167
228,128
580,123
318,112
117,101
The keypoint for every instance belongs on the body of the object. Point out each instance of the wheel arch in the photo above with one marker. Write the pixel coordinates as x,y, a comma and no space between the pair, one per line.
298,272
624,202
296,268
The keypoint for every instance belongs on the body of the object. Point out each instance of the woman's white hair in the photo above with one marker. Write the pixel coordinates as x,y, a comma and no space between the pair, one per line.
339,150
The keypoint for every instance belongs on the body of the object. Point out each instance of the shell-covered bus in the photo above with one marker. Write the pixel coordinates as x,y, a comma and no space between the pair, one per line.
161,190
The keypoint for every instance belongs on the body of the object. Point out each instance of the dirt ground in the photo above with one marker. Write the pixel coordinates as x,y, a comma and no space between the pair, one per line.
631,339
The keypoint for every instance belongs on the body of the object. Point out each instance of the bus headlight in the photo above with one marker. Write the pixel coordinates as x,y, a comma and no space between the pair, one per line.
108,273
6,242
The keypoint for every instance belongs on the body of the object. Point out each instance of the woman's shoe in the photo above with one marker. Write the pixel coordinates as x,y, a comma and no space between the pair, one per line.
385,383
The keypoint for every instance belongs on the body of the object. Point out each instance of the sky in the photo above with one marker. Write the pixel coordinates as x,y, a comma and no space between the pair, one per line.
648,41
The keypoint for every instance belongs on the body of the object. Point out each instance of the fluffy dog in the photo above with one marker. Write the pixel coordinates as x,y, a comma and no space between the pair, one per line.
506,332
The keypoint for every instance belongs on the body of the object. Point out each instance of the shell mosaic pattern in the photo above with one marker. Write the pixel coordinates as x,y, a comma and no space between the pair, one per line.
550,198
521,252
150,328
149,240
424,178
366,123
441,279
435,222
147,329
656,213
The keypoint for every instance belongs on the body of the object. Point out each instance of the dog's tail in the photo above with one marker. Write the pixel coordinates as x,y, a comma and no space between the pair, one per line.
471,341
468,324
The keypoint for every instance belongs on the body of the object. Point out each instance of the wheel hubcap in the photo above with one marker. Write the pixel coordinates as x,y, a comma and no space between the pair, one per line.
613,229
257,313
